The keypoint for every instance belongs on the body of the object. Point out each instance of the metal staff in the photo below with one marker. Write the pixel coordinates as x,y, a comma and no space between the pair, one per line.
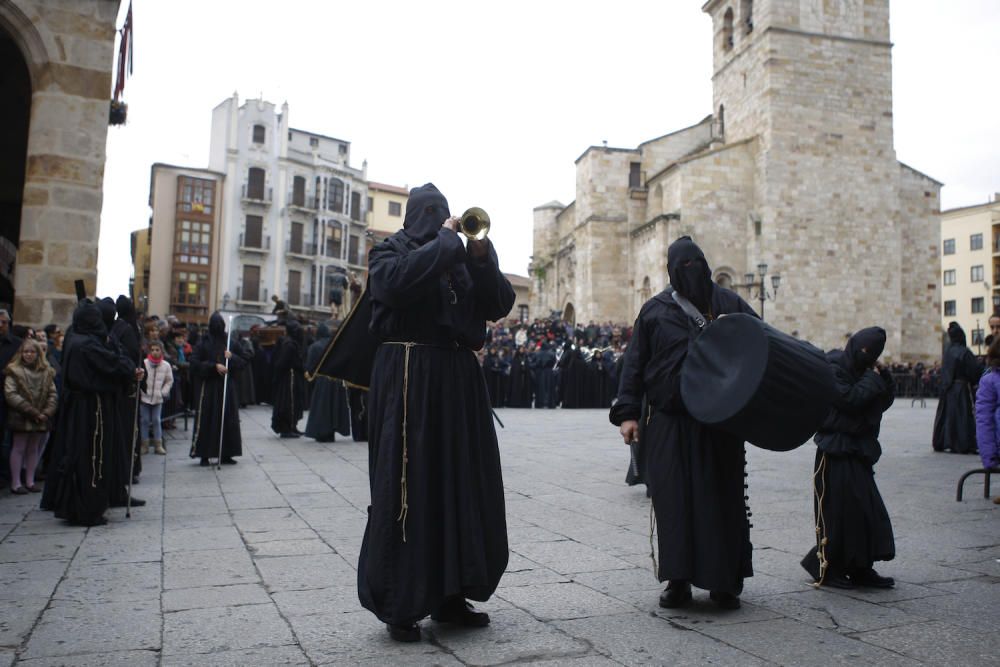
225,386
131,463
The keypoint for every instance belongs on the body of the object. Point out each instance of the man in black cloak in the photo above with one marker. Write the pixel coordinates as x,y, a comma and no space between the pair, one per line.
954,423
208,368
543,362
125,333
853,525
262,369
437,532
521,390
289,382
328,410
693,472
82,452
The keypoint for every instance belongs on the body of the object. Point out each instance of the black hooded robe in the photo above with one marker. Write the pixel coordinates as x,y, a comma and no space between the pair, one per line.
289,382
848,506
125,333
451,540
694,473
954,423
209,385
262,372
520,392
544,376
329,413
83,447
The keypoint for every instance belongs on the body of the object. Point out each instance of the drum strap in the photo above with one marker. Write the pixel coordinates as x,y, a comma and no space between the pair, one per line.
689,309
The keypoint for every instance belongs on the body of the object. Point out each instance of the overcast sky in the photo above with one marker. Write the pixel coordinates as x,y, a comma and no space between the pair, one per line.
494,101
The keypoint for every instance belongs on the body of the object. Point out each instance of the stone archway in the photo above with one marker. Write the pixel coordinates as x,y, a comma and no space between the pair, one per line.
569,313
15,115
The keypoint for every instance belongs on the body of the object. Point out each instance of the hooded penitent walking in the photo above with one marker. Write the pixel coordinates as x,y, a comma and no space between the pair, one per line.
125,333
694,472
437,532
82,451
289,384
328,410
852,525
208,367
954,424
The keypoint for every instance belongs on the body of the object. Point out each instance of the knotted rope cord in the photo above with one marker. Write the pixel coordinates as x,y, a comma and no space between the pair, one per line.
404,506
291,394
652,522
197,421
97,468
821,539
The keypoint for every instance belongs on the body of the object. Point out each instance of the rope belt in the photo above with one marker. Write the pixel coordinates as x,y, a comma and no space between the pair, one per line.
821,539
97,467
404,508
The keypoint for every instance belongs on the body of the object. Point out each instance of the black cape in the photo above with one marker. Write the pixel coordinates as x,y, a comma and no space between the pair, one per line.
125,334
694,473
954,423
328,409
209,385
452,538
83,446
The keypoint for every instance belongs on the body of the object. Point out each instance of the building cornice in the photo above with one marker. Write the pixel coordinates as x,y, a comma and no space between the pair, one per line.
663,217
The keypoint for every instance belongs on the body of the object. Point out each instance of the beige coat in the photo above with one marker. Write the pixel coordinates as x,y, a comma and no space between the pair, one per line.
29,393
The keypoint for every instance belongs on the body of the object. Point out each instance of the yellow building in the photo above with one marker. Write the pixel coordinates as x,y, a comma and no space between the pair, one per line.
140,268
386,207
970,268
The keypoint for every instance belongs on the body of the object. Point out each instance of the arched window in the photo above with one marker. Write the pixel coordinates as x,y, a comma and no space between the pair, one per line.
259,132
724,280
335,195
721,122
746,16
727,30
646,293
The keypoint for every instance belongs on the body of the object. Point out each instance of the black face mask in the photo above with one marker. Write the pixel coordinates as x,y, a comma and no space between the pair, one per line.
865,347
689,273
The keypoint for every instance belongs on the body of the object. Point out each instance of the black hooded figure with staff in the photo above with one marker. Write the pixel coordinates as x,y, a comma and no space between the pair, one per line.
212,359
694,473
954,423
437,532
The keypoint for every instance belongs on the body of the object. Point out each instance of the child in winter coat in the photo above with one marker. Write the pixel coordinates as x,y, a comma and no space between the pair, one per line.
30,391
159,380
988,410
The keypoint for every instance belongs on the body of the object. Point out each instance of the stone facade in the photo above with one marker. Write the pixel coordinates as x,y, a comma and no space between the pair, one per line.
795,169
67,48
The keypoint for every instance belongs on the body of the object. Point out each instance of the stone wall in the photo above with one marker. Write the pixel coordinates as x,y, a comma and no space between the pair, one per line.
69,51
920,226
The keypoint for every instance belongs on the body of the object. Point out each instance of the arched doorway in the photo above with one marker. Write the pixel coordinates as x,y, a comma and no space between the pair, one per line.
569,314
15,89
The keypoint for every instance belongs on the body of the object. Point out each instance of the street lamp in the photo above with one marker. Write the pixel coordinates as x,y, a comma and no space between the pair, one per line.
761,290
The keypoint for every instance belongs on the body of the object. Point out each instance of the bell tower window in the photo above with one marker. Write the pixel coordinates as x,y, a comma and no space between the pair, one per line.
727,30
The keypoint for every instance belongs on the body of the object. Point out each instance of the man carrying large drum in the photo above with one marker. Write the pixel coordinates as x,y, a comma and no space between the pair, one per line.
712,383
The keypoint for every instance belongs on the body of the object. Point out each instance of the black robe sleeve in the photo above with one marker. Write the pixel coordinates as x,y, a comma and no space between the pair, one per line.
628,405
494,294
394,275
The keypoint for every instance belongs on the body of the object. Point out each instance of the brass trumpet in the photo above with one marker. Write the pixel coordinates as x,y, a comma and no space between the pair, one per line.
475,224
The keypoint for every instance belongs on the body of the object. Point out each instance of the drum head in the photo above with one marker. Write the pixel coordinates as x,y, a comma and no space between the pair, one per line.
724,368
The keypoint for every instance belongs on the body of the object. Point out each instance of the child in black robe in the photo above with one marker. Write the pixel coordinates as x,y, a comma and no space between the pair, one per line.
852,525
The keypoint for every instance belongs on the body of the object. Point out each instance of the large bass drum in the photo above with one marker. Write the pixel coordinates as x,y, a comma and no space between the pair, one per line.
747,378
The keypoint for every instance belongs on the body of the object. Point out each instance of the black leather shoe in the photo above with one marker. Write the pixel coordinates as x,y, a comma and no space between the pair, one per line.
136,502
205,463
837,581
404,633
871,579
725,600
462,613
677,594
229,461
290,435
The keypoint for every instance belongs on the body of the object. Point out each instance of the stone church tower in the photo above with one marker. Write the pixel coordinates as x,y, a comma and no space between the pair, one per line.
795,169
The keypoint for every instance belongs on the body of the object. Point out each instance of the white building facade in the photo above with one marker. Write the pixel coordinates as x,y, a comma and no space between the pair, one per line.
293,212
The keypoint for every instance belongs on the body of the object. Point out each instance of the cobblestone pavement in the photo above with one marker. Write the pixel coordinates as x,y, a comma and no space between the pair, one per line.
255,564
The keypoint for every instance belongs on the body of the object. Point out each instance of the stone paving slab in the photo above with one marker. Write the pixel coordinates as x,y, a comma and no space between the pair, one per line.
256,564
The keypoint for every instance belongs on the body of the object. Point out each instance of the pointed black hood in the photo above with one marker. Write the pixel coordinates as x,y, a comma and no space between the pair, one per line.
87,321
426,211
689,272
125,309
217,326
956,334
108,310
864,348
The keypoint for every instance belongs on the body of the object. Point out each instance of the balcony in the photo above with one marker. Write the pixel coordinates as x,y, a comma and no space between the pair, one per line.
302,204
302,301
258,196
259,245
300,249
252,294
